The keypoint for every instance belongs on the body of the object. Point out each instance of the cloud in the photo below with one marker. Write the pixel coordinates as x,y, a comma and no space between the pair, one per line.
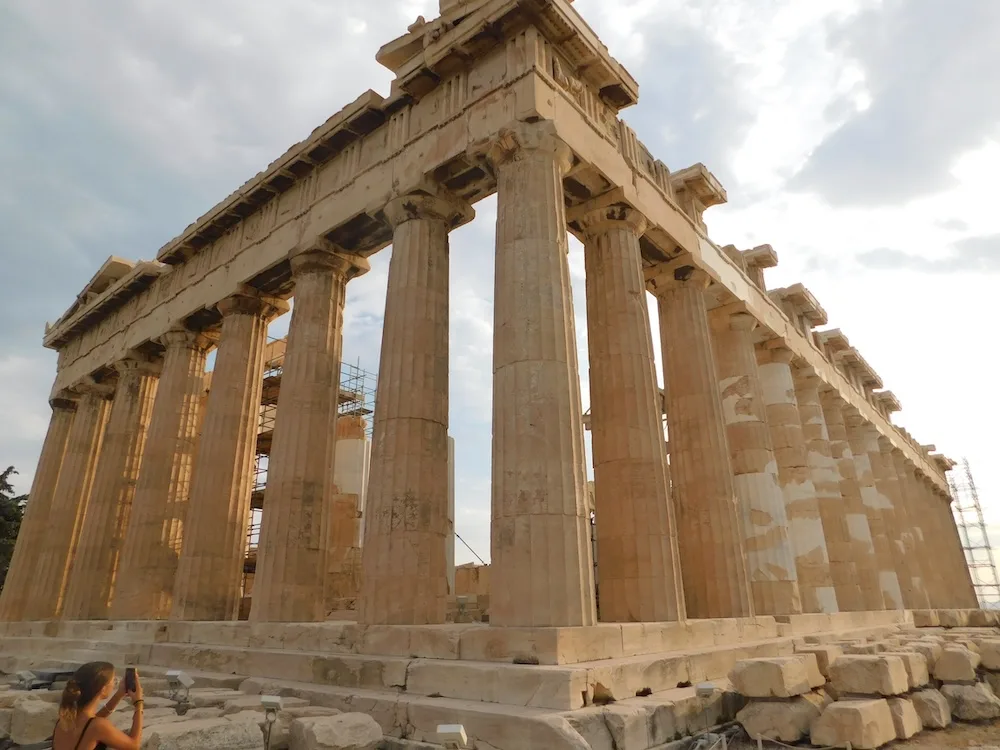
973,254
930,75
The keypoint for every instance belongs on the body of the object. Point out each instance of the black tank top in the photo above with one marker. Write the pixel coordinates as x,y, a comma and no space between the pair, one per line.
100,745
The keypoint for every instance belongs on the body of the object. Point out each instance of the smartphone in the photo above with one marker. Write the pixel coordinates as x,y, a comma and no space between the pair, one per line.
130,682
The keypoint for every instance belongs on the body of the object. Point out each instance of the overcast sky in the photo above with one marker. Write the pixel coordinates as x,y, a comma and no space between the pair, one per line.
860,138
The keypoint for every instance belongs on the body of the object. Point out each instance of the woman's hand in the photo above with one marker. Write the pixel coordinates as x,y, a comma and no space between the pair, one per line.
135,695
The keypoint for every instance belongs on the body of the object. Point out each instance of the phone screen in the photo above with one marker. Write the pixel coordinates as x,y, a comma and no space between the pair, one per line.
130,679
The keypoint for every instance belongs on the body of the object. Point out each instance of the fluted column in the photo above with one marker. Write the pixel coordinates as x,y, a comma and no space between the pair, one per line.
210,568
878,502
542,570
24,562
960,582
826,480
805,525
638,577
922,530
404,578
898,534
710,523
770,555
295,527
59,539
910,550
155,533
91,583
860,542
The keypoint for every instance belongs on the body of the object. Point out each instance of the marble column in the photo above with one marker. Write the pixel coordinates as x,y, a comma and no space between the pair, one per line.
24,562
770,555
638,578
709,519
542,571
909,566
155,533
878,502
58,541
826,480
295,525
921,530
90,587
860,541
899,537
404,579
210,567
805,526
960,577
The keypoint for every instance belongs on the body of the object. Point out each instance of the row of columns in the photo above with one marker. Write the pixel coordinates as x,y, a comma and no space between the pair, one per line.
778,498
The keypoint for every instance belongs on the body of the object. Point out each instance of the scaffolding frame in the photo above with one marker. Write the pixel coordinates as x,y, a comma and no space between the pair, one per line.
968,512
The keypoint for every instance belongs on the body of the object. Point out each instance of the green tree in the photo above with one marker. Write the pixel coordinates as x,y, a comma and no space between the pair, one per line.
11,513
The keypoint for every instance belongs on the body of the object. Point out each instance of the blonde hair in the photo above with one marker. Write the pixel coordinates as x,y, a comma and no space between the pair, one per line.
84,686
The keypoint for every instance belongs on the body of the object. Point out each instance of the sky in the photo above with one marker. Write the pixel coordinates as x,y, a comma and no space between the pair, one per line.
860,138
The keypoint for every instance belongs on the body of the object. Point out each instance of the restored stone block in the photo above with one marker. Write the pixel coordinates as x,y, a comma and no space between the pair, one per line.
777,677
866,724
205,734
972,702
825,655
916,667
932,708
904,718
786,721
931,651
344,732
956,664
869,675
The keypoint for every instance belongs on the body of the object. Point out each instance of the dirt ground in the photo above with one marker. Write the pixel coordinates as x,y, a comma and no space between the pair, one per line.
966,736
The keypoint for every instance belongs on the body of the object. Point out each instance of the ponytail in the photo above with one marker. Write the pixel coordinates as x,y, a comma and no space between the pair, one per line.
81,689
69,705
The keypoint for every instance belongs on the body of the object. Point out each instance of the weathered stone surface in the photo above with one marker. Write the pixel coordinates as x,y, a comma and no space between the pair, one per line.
866,724
33,721
931,651
972,702
956,664
932,708
904,718
989,653
869,675
252,703
777,677
344,732
786,721
6,718
825,655
916,667
205,734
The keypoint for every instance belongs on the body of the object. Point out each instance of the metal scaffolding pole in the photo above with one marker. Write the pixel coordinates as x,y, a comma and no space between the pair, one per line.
968,513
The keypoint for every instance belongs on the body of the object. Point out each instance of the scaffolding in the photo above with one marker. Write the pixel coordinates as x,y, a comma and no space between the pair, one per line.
357,399
968,513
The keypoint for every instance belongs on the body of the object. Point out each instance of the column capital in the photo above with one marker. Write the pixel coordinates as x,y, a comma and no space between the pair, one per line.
323,256
775,351
686,276
249,301
183,338
434,206
65,400
598,221
521,140
90,387
140,363
806,378
832,396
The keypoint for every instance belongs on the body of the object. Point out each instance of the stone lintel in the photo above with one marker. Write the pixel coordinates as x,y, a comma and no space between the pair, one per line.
834,340
887,400
762,256
701,184
803,302
944,463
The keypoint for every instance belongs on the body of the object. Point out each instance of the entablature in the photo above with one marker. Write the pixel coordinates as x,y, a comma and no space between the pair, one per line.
852,359
888,401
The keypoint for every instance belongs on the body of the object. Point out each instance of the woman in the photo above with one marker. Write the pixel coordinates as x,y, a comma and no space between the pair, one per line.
81,726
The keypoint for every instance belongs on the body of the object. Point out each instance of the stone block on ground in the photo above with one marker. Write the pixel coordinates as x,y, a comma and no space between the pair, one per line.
904,718
33,721
932,708
972,702
930,650
777,677
6,717
953,618
252,703
866,724
343,732
956,664
869,675
825,655
204,734
989,654
916,667
785,721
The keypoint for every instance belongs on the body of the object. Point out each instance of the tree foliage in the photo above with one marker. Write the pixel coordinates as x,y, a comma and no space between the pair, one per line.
11,513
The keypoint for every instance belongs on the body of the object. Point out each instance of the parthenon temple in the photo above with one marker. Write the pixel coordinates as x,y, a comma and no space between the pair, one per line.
781,501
